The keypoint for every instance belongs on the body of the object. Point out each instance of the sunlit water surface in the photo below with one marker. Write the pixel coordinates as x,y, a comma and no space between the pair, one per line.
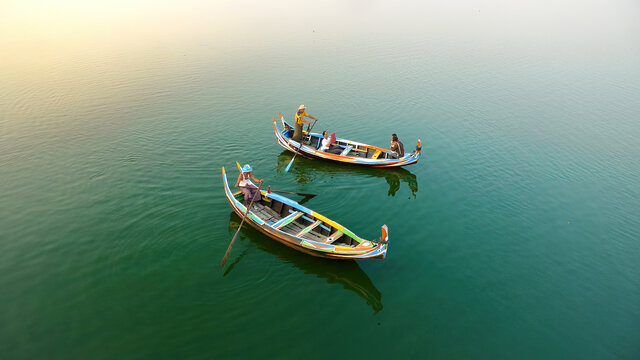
517,235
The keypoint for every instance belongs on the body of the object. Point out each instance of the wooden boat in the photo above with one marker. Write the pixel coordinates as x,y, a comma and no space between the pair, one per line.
353,152
305,230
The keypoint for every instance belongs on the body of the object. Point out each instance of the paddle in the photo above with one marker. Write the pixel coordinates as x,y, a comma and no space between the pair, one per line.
299,147
280,191
293,193
226,254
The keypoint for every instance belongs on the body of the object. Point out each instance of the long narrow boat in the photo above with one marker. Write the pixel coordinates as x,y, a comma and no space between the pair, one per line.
353,152
305,230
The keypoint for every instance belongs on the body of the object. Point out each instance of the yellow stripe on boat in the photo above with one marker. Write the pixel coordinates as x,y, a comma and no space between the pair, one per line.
346,250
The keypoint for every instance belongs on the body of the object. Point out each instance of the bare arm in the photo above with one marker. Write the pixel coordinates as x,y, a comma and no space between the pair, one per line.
238,181
257,180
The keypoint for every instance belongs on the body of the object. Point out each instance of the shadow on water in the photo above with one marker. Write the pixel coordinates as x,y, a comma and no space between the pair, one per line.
306,171
347,273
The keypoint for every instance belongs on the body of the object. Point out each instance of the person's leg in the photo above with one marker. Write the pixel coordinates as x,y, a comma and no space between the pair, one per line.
247,195
297,133
255,194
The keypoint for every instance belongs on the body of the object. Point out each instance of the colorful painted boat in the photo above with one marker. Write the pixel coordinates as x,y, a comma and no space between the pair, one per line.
305,230
353,152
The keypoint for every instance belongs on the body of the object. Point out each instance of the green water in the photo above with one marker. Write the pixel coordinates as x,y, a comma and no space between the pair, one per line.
517,235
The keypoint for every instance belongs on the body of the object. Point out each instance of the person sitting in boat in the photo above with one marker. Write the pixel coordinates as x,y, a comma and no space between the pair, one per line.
327,146
249,190
397,147
299,122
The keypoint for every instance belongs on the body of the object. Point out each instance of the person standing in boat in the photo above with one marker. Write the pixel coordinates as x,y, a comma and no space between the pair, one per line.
248,188
299,122
327,146
397,146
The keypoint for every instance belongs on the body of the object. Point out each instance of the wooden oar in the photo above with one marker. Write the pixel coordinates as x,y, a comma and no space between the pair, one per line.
280,191
226,255
299,147
293,193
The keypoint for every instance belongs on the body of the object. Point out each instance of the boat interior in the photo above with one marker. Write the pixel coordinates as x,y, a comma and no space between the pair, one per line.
358,151
288,219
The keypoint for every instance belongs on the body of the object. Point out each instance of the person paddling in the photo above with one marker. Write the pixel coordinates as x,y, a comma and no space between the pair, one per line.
249,190
300,115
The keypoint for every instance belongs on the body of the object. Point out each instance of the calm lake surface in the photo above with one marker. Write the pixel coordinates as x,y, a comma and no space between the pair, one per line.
517,235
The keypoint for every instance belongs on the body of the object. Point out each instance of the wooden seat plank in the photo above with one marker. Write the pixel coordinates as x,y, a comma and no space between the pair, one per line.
284,222
309,228
346,150
333,237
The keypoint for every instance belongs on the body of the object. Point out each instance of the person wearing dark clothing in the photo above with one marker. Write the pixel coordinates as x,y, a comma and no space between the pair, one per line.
397,146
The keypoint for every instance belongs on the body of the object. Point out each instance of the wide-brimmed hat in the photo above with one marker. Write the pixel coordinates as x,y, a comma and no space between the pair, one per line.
246,168
301,107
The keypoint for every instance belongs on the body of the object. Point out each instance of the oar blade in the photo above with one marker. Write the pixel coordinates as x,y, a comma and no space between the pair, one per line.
226,254
290,163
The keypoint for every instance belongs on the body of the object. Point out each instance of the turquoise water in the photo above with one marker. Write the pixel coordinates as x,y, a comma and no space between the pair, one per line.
517,234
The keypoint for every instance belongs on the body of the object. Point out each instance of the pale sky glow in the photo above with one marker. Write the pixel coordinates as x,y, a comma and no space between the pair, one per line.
74,20
62,48
32,29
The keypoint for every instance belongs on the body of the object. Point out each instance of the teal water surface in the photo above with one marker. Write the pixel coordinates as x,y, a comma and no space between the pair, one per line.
517,234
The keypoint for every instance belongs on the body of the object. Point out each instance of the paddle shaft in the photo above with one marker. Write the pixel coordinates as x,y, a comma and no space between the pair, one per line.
299,147
292,193
226,254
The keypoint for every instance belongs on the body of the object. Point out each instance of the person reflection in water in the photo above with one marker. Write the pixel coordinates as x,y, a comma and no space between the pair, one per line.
394,178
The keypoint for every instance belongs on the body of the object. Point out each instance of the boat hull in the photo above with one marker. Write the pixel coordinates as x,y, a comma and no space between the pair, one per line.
306,246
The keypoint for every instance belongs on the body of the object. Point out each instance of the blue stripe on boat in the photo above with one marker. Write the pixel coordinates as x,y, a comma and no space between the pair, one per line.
293,214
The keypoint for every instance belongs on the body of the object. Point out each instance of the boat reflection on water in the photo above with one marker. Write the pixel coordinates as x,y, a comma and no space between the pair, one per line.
307,170
345,272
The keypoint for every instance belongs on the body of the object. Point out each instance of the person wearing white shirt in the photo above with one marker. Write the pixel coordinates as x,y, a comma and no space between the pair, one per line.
326,145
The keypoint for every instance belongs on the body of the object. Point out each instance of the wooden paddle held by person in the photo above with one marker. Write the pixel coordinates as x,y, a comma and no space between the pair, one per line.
245,169
298,130
300,121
